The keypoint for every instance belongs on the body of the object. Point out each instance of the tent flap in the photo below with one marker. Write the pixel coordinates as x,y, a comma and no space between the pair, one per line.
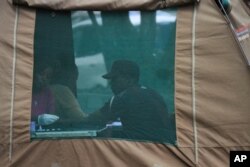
103,4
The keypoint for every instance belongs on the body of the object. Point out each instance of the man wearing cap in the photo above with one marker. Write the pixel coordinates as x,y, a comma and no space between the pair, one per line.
142,111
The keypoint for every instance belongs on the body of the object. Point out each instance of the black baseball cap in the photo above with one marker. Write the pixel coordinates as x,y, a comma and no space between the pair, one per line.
123,68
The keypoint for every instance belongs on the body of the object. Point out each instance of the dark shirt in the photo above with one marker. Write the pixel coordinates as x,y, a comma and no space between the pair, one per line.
142,111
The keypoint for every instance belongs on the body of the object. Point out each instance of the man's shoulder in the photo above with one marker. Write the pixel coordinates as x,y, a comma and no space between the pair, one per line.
138,89
142,92
131,92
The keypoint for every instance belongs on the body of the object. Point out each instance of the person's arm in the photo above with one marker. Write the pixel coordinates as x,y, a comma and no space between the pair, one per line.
67,105
72,106
100,117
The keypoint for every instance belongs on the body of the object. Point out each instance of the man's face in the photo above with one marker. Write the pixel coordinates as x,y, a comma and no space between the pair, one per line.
119,84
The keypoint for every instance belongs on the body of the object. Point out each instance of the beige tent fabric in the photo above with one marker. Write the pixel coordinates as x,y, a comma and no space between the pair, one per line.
221,104
222,81
183,73
104,4
24,75
17,31
97,153
6,53
7,20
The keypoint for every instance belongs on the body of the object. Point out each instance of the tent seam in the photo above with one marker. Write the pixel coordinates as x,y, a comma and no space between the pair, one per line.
193,87
13,79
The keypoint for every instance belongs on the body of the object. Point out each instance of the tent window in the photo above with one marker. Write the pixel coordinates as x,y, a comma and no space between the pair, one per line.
104,75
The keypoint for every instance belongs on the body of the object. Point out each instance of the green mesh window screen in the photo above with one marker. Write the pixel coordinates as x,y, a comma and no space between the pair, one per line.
104,75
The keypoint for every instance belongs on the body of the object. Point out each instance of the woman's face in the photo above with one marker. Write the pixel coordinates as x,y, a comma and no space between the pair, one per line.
42,80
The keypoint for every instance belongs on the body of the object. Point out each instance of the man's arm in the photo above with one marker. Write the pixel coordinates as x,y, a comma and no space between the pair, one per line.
101,116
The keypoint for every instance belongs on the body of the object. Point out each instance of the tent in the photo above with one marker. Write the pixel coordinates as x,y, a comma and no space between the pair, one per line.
211,89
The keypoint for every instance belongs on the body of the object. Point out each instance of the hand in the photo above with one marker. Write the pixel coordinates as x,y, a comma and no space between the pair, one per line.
47,119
